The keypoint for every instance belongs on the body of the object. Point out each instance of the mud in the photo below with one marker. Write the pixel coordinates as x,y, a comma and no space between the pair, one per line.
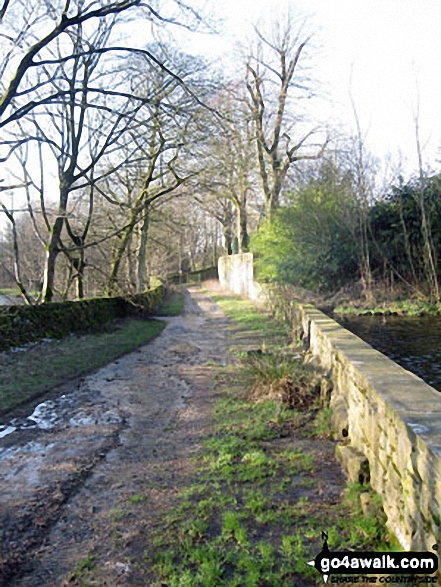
85,477
68,466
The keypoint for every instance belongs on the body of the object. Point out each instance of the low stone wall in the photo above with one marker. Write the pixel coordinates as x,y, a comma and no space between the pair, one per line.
393,418
22,324
388,419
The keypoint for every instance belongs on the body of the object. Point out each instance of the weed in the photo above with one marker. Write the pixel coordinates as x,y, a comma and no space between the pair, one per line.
323,426
87,564
280,377
82,571
255,501
117,515
137,498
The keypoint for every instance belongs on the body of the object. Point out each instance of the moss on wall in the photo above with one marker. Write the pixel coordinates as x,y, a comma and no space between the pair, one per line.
23,324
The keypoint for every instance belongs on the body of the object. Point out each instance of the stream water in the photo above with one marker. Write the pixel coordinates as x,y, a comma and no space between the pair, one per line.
412,342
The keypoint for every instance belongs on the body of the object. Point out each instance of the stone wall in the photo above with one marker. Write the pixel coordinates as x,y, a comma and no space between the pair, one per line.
392,418
22,324
388,419
236,274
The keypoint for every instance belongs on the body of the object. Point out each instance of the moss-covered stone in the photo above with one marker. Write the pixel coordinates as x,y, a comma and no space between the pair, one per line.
22,324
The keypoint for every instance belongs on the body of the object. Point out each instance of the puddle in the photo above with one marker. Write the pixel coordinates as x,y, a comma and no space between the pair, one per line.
5,430
30,448
67,411
45,415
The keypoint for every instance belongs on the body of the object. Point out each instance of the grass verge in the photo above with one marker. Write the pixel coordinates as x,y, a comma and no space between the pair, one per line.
25,375
254,513
246,316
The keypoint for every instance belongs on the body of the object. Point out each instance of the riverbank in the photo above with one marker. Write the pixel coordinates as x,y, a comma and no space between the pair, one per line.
408,307
382,300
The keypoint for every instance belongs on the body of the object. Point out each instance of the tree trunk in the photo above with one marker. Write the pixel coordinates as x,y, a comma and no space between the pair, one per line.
228,236
119,253
80,276
51,258
429,256
131,264
143,278
242,229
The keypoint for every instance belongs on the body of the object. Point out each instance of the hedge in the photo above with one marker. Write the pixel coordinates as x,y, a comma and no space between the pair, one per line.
22,324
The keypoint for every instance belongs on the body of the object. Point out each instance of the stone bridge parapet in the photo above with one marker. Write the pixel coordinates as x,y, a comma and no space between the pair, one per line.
392,417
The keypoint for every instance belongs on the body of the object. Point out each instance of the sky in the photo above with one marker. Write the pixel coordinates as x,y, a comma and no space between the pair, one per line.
390,49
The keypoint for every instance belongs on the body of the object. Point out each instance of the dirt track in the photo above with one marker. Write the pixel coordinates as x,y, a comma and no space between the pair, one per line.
87,475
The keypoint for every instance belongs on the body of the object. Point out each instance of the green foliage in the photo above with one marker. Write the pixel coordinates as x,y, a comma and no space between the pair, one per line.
315,239
271,248
396,227
173,305
86,564
310,240
138,498
83,570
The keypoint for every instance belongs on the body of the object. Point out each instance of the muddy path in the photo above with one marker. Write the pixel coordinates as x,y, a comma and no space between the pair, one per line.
83,477
87,478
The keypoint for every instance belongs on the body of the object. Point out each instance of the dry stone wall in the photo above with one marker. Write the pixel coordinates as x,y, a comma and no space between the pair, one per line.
23,324
388,419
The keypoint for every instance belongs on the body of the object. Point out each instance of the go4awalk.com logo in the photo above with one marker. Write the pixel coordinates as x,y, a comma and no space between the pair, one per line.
403,564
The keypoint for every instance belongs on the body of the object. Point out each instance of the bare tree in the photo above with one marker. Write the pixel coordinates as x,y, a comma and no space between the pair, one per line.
430,258
84,109
273,77
167,151
228,178
362,175
64,89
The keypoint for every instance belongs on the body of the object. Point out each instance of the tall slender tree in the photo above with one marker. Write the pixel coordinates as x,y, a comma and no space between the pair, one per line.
273,76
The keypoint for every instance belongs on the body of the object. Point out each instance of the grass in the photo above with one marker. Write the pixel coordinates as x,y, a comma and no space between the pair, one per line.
14,291
246,316
83,571
252,516
138,498
30,373
247,520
